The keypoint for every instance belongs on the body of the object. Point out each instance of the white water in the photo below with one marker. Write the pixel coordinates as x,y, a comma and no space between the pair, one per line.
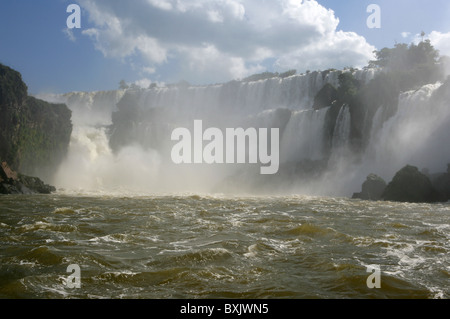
417,134
341,133
304,136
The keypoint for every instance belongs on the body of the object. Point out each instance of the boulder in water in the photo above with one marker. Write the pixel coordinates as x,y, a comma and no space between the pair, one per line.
372,189
410,185
441,182
13,183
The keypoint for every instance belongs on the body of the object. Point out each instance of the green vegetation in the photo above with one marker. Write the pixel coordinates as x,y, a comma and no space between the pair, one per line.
123,85
410,66
348,88
34,135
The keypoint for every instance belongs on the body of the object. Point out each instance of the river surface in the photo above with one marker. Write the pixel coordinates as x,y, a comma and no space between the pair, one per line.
210,247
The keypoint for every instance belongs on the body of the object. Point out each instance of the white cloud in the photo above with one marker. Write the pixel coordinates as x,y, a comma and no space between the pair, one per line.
441,41
143,83
161,4
405,35
336,50
149,70
208,65
216,40
69,34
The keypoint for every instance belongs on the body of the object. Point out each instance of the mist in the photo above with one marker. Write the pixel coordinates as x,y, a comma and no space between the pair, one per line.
121,142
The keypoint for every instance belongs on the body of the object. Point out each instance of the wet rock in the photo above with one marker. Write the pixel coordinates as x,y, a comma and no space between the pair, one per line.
13,183
372,189
441,182
410,185
325,97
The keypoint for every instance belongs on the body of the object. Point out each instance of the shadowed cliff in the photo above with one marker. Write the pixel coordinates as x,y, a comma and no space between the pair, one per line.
34,135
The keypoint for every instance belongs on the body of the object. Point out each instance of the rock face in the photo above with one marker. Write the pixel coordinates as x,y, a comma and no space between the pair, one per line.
441,182
325,97
410,185
34,134
13,183
372,189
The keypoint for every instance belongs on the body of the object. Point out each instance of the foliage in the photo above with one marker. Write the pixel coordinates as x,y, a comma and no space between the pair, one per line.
288,74
410,66
401,68
123,85
348,88
33,134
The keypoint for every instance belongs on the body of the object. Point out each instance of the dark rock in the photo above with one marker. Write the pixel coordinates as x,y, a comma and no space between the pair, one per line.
325,97
372,189
34,184
7,173
441,182
425,171
14,183
410,185
442,185
34,134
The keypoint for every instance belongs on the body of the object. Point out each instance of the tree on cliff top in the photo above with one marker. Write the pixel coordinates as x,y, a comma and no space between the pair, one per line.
411,66
403,57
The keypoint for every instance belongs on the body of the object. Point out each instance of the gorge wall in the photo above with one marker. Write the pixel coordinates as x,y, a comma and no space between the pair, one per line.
34,134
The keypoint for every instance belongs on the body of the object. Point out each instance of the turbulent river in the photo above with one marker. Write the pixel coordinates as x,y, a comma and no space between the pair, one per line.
201,247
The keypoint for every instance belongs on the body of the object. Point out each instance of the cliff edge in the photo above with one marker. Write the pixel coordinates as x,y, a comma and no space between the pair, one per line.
34,134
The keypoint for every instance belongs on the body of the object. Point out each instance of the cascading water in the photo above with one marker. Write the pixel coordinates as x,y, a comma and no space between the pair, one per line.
341,134
304,136
417,134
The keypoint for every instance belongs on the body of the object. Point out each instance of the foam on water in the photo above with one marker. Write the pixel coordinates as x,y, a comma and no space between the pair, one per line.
190,246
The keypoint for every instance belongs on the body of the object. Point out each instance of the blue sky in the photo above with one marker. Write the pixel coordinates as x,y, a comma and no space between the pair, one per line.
201,41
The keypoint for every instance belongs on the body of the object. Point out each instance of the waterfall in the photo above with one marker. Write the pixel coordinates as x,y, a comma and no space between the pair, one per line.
418,134
141,121
341,133
91,165
303,138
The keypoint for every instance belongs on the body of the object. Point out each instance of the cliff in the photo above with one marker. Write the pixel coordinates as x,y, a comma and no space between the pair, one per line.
34,135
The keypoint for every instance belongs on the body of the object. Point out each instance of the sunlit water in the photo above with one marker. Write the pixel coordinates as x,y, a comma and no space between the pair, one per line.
192,246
